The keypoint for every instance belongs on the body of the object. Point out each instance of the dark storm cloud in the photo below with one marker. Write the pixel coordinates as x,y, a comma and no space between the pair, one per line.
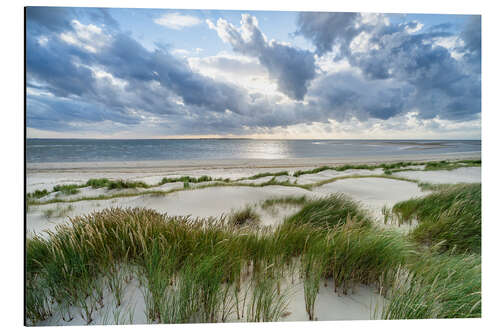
442,85
54,65
57,19
345,94
62,114
471,36
65,70
290,67
75,79
328,29
127,59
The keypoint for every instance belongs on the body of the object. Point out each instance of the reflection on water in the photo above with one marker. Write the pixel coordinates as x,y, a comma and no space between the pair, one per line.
266,150
74,150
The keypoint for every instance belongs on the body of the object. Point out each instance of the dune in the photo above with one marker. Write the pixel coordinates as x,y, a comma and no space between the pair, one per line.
372,192
460,175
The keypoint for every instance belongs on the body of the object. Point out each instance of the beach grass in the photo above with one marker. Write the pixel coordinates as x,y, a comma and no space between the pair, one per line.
189,179
37,194
98,182
266,174
179,254
450,216
230,268
390,168
446,285
68,261
284,201
446,165
244,216
330,212
66,189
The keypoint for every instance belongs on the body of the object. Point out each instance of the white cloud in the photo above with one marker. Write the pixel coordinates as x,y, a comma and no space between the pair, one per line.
452,43
361,43
240,70
418,27
327,64
177,21
374,19
43,40
108,77
88,37
401,127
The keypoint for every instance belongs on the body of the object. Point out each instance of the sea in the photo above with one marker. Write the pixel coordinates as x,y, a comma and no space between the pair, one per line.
106,150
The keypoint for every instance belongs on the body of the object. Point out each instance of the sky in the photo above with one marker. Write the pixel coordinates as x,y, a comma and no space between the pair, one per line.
159,73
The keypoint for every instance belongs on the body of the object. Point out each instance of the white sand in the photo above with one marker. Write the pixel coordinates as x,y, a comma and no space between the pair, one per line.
212,201
132,309
273,216
46,175
358,305
328,174
460,175
373,193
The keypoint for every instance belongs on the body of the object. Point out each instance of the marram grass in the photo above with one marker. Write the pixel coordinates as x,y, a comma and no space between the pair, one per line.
443,285
211,270
450,216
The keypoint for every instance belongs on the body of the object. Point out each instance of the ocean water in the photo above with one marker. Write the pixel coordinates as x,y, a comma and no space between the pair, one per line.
90,150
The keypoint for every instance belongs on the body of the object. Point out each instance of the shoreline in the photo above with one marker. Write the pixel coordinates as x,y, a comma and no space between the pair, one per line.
186,165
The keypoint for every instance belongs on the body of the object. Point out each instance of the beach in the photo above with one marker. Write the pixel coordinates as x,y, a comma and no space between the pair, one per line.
372,192
232,185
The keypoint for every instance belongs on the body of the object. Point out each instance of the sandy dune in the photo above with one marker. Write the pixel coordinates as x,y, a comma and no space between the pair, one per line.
460,175
372,193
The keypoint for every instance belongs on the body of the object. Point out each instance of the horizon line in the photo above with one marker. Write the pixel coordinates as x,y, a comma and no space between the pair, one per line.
242,138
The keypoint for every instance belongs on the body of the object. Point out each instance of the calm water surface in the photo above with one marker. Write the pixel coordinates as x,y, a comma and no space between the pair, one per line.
83,150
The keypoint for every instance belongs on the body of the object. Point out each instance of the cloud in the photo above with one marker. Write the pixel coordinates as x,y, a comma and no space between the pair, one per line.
240,70
471,35
57,19
345,94
291,68
88,37
440,82
121,77
177,21
327,29
371,75
60,114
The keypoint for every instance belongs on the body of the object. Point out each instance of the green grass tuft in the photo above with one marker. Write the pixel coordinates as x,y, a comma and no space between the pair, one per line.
66,189
121,184
98,183
285,201
37,194
330,212
436,286
245,216
267,174
450,216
